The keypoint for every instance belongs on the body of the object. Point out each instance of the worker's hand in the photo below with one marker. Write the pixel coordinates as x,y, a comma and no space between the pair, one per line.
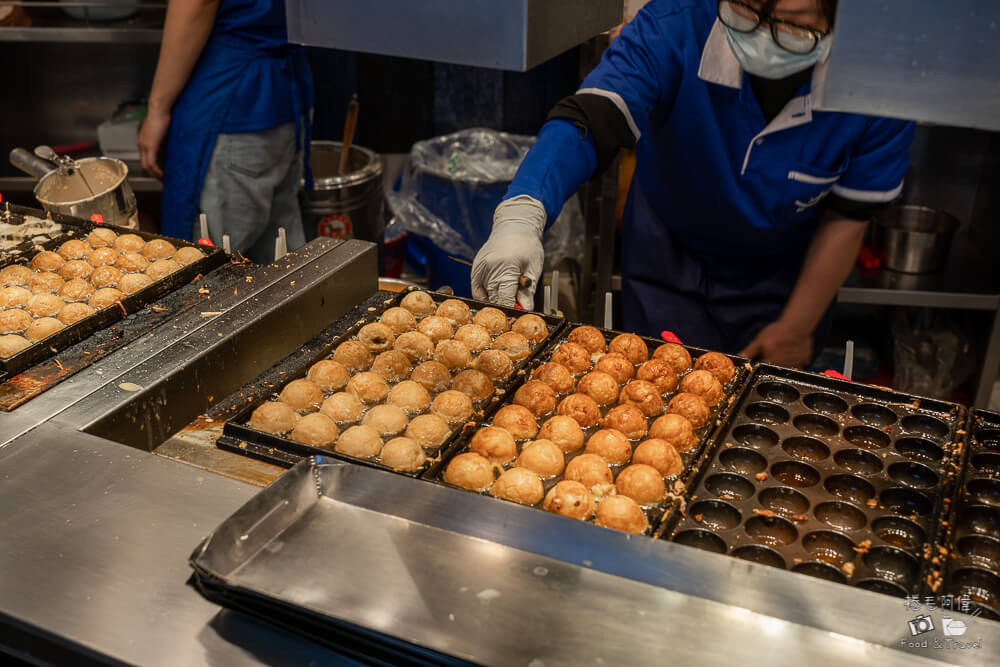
151,137
514,249
782,344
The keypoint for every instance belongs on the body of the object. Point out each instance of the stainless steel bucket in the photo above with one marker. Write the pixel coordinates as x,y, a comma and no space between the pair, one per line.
113,198
346,206
914,239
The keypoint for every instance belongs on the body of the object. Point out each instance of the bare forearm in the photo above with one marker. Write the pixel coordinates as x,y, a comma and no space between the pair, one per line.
185,32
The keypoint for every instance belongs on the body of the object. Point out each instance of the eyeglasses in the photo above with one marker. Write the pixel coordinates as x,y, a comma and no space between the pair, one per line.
792,37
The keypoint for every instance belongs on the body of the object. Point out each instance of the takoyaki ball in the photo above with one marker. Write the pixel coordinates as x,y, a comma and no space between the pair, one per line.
617,366
429,431
703,384
328,375
495,444
72,313
475,337
43,327
659,454
621,513
387,420
158,249
274,417
45,281
418,303
44,305
575,357
377,336
675,355
393,365
537,397
718,365
342,407
14,297
316,430
582,408
520,485
129,243
599,386
543,457
77,289
403,454
16,275
628,419
400,320
409,396
74,249
354,355
453,406
454,354
564,431
433,375
571,499
188,255
644,395
14,320
414,345
676,430
691,407
162,268
302,395
642,483
105,276
368,387
455,311
11,345
473,384
514,344
102,257
75,268
629,346
131,262
133,282
531,327
105,297
590,338
495,364
47,261
492,319
590,470
556,376
101,237
470,471
610,445
361,442
660,373
518,421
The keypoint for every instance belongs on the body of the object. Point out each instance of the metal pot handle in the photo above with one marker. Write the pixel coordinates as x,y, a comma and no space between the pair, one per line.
30,164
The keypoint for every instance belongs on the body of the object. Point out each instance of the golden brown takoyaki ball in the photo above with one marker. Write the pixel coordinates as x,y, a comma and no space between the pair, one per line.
590,470
617,366
495,364
575,357
599,386
354,355
410,396
473,384
629,346
495,444
470,471
537,396
418,303
105,297
514,344
274,417
158,249
101,237
621,513
14,297
14,320
11,345
454,354
77,289
582,408
430,431
675,355
659,454
436,328
520,485
433,375
75,268
543,457
129,243
102,257
455,311
643,395
400,320
703,384
531,327
590,338
329,375
377,336
342,407
133,282
556,376
642,483
43,327
493,320
475,337
414,345
691,407
718,365
660,373
47,261
105,276
517,420
302,395
571,499
74,249
610,445
628,419
564,431
453,406
368,387
387,420
72,313
188,255
131,262
316,430
162,268
361,442
44,282
393,365
676,430
44,305
403,454
16,275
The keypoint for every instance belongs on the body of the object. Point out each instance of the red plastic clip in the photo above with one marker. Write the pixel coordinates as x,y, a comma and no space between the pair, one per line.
98,218
835,374
670,337
204,240
868,259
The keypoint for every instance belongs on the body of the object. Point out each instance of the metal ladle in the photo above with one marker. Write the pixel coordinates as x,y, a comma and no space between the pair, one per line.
67,165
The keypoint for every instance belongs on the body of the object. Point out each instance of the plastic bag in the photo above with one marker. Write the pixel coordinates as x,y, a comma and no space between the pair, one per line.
932,354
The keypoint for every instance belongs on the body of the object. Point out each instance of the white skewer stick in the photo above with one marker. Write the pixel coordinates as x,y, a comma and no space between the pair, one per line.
277,248
284,240
607,310
849,360
227,244
555,292
203,219
547,300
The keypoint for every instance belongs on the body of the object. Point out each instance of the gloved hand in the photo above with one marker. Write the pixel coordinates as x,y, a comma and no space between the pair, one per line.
514,249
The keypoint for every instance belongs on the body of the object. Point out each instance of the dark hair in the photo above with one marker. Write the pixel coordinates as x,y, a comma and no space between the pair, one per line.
829,10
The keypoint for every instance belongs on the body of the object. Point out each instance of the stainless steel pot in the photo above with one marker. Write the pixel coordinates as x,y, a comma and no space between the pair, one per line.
914,239
349,205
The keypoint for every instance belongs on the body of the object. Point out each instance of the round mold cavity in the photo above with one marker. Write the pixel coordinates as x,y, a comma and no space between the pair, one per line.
858,461
989,439
986,463
752,435
874,415
906,501
817,425
767,413
924,425
742,460
779,392
899,532
919,449
985,491
982,586
840,515
884,587
729,487
828,404
914,475
701,539
782,500
821,571
795,473
979,550
771,531
715,514
850,488
805,448
867,437
978,520
893,564
829,547
762,555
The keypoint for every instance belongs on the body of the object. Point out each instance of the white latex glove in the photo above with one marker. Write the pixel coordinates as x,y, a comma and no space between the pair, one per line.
514,249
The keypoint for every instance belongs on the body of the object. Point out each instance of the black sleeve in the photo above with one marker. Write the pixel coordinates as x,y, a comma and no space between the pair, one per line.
599,117
855,210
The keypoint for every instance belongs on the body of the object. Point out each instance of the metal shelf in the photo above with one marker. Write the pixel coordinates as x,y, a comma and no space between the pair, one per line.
83,35
27,184
51,24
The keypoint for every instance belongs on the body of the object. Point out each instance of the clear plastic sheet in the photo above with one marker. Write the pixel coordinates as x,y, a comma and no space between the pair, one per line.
932,355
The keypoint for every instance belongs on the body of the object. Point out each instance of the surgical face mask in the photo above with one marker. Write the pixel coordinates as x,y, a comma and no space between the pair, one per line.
759,54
